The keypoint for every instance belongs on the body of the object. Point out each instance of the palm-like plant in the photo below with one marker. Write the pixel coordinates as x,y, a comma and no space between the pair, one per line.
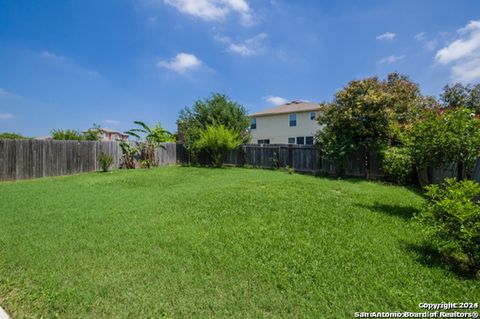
129,153
153,137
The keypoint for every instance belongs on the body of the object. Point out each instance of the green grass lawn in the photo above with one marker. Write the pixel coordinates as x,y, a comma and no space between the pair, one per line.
191,242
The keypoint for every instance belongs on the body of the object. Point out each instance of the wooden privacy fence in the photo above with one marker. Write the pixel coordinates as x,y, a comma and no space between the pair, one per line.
301,158
24,159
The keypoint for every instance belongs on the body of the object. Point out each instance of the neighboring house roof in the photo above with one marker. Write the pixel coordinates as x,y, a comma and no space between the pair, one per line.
107,130
290,107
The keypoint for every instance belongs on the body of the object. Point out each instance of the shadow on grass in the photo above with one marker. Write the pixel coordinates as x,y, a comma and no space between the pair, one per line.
404,212
428,256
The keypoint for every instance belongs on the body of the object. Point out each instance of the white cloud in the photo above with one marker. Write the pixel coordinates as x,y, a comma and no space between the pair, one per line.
391,59
5,93
6,116
213,10
54,57
387,36
466,72
181,63
420,36
111,122
60,59
249,47
275,100
431,45
467,45
463,54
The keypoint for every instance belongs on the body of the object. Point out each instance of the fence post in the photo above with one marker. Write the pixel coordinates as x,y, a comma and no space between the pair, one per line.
290,156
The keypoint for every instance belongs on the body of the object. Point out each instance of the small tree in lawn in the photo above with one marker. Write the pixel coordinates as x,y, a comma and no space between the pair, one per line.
217,140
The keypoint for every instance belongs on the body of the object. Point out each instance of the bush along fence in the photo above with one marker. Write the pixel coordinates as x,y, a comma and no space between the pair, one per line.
25,159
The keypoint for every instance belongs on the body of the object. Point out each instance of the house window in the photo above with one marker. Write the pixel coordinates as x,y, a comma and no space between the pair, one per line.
291,140
309,140
292,119
253,124
313,115
300,140
264,141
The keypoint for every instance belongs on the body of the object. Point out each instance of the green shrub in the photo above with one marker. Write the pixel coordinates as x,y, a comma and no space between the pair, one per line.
216,110
398,163
442,139
105,161
67,135
452,219
217,140
11,136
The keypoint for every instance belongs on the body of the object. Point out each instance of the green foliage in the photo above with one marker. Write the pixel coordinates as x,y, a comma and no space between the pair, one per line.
459,95
404,98
214,111
59,134
105,161
151,138
11,136
129,155
357,119
450,137
369,114
217,140
452,218
398,164
151,134
93,133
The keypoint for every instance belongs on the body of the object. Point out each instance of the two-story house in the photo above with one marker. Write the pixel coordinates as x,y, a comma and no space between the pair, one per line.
291,123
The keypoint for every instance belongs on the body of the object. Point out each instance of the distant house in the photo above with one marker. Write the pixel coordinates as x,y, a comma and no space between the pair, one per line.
111,135
291,123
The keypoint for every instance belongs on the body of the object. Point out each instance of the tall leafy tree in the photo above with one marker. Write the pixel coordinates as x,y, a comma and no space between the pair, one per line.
459,95
357,119
371,113
216,110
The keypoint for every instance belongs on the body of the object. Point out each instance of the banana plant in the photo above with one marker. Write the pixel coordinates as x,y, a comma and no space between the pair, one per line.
152,139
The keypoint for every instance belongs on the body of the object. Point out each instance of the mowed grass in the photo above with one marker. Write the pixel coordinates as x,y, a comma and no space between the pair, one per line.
185,242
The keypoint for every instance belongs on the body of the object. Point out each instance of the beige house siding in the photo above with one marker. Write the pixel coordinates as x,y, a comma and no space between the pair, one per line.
276,127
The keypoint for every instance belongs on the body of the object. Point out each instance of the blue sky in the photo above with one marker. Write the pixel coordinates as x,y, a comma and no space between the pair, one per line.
69,63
